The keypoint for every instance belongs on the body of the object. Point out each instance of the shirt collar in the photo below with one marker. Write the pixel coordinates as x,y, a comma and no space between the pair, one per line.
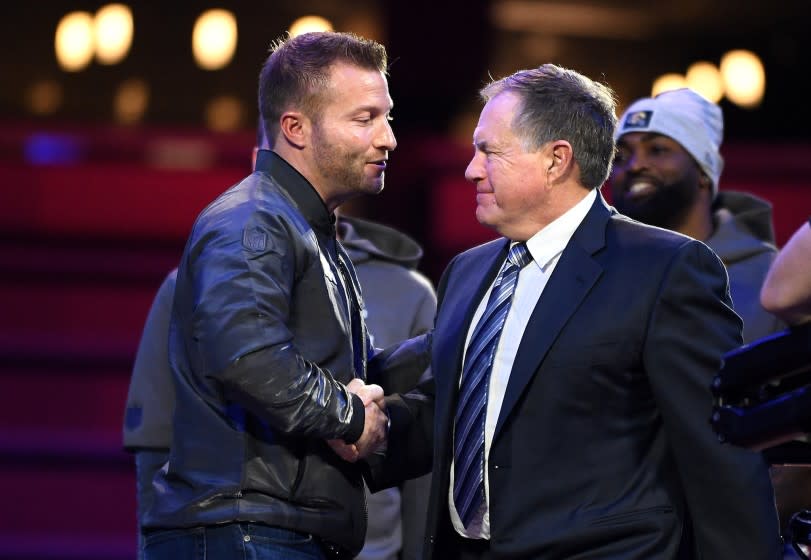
299,189
548,243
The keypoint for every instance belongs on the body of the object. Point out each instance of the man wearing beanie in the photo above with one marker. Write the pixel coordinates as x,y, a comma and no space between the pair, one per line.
666,174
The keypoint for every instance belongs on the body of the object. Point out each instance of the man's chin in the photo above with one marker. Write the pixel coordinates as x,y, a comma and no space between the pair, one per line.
485,217
373,185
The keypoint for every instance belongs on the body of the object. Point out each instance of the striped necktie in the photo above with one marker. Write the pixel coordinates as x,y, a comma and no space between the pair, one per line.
468,449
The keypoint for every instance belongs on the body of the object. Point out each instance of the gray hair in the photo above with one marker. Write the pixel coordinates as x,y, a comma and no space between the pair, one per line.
561,104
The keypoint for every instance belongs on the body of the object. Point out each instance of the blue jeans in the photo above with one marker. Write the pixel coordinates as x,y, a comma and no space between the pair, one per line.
239,541
147,463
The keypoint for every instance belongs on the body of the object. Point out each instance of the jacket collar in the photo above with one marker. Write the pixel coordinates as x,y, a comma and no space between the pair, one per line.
298,189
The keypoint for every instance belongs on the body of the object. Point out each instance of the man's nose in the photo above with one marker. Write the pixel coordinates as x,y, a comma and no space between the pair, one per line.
475,170
386,139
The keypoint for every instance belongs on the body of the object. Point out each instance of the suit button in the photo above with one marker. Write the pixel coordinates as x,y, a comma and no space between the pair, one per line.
431,539
495,467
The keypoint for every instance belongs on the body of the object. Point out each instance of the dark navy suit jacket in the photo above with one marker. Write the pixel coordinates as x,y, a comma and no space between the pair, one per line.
603,447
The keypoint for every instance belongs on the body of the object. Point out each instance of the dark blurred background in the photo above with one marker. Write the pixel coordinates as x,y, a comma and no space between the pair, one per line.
103,169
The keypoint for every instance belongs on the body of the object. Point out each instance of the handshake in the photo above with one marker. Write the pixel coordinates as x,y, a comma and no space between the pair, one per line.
375,426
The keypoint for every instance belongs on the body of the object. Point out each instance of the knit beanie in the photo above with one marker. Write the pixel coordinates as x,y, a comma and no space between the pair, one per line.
688,118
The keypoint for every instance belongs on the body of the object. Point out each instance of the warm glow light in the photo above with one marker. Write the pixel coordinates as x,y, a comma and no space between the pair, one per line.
113,33
308,24
705,78
224,113
214,39
366,23
74,41
131,101
744,78
44,97
667,82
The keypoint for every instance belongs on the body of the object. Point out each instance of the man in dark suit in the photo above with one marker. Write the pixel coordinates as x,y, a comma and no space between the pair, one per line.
573,422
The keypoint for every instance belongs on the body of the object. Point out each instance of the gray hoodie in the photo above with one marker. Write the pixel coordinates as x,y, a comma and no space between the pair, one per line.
744,241
400,303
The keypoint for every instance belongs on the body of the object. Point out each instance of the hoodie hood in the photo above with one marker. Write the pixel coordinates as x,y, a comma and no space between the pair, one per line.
744,241
743,226
365,240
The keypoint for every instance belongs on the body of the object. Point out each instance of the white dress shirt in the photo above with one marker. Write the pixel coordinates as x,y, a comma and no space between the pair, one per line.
545,247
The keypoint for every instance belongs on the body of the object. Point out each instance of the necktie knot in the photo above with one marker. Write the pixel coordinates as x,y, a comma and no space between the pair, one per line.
519,255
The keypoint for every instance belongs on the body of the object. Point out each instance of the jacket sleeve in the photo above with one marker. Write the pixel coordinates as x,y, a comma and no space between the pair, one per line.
243,290
728,491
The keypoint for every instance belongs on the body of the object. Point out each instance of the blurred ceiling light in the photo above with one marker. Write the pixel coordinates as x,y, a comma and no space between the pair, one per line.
308,24
214,39
705,78
366,24
744,78
224,113
131,100
114,28
542,47
74,41
573,19
667,82
180,153
44,97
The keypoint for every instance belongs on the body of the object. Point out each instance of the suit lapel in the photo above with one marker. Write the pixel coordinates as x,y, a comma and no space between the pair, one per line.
573,278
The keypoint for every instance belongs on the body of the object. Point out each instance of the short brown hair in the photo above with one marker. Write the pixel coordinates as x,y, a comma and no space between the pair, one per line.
297,71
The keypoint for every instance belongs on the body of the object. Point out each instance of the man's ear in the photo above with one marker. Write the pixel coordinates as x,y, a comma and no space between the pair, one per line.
561,162
295,128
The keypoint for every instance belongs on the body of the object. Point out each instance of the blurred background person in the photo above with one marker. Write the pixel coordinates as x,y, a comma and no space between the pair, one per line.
147,431
400,304
666,174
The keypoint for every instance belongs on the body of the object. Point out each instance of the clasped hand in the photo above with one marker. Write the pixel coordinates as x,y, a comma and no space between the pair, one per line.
375,425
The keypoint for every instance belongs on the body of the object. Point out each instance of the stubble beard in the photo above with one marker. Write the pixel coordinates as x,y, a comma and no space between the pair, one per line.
342,167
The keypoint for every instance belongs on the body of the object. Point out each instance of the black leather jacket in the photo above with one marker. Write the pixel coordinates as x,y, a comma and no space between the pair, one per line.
261,349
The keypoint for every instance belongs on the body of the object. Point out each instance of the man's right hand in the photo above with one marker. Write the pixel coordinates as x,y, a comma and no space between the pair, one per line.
375,430
367,393
375,426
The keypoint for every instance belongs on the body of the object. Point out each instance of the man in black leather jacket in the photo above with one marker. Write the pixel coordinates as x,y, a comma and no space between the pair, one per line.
267,341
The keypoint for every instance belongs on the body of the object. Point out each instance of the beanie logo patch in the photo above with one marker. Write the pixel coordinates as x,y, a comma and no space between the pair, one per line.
638,119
